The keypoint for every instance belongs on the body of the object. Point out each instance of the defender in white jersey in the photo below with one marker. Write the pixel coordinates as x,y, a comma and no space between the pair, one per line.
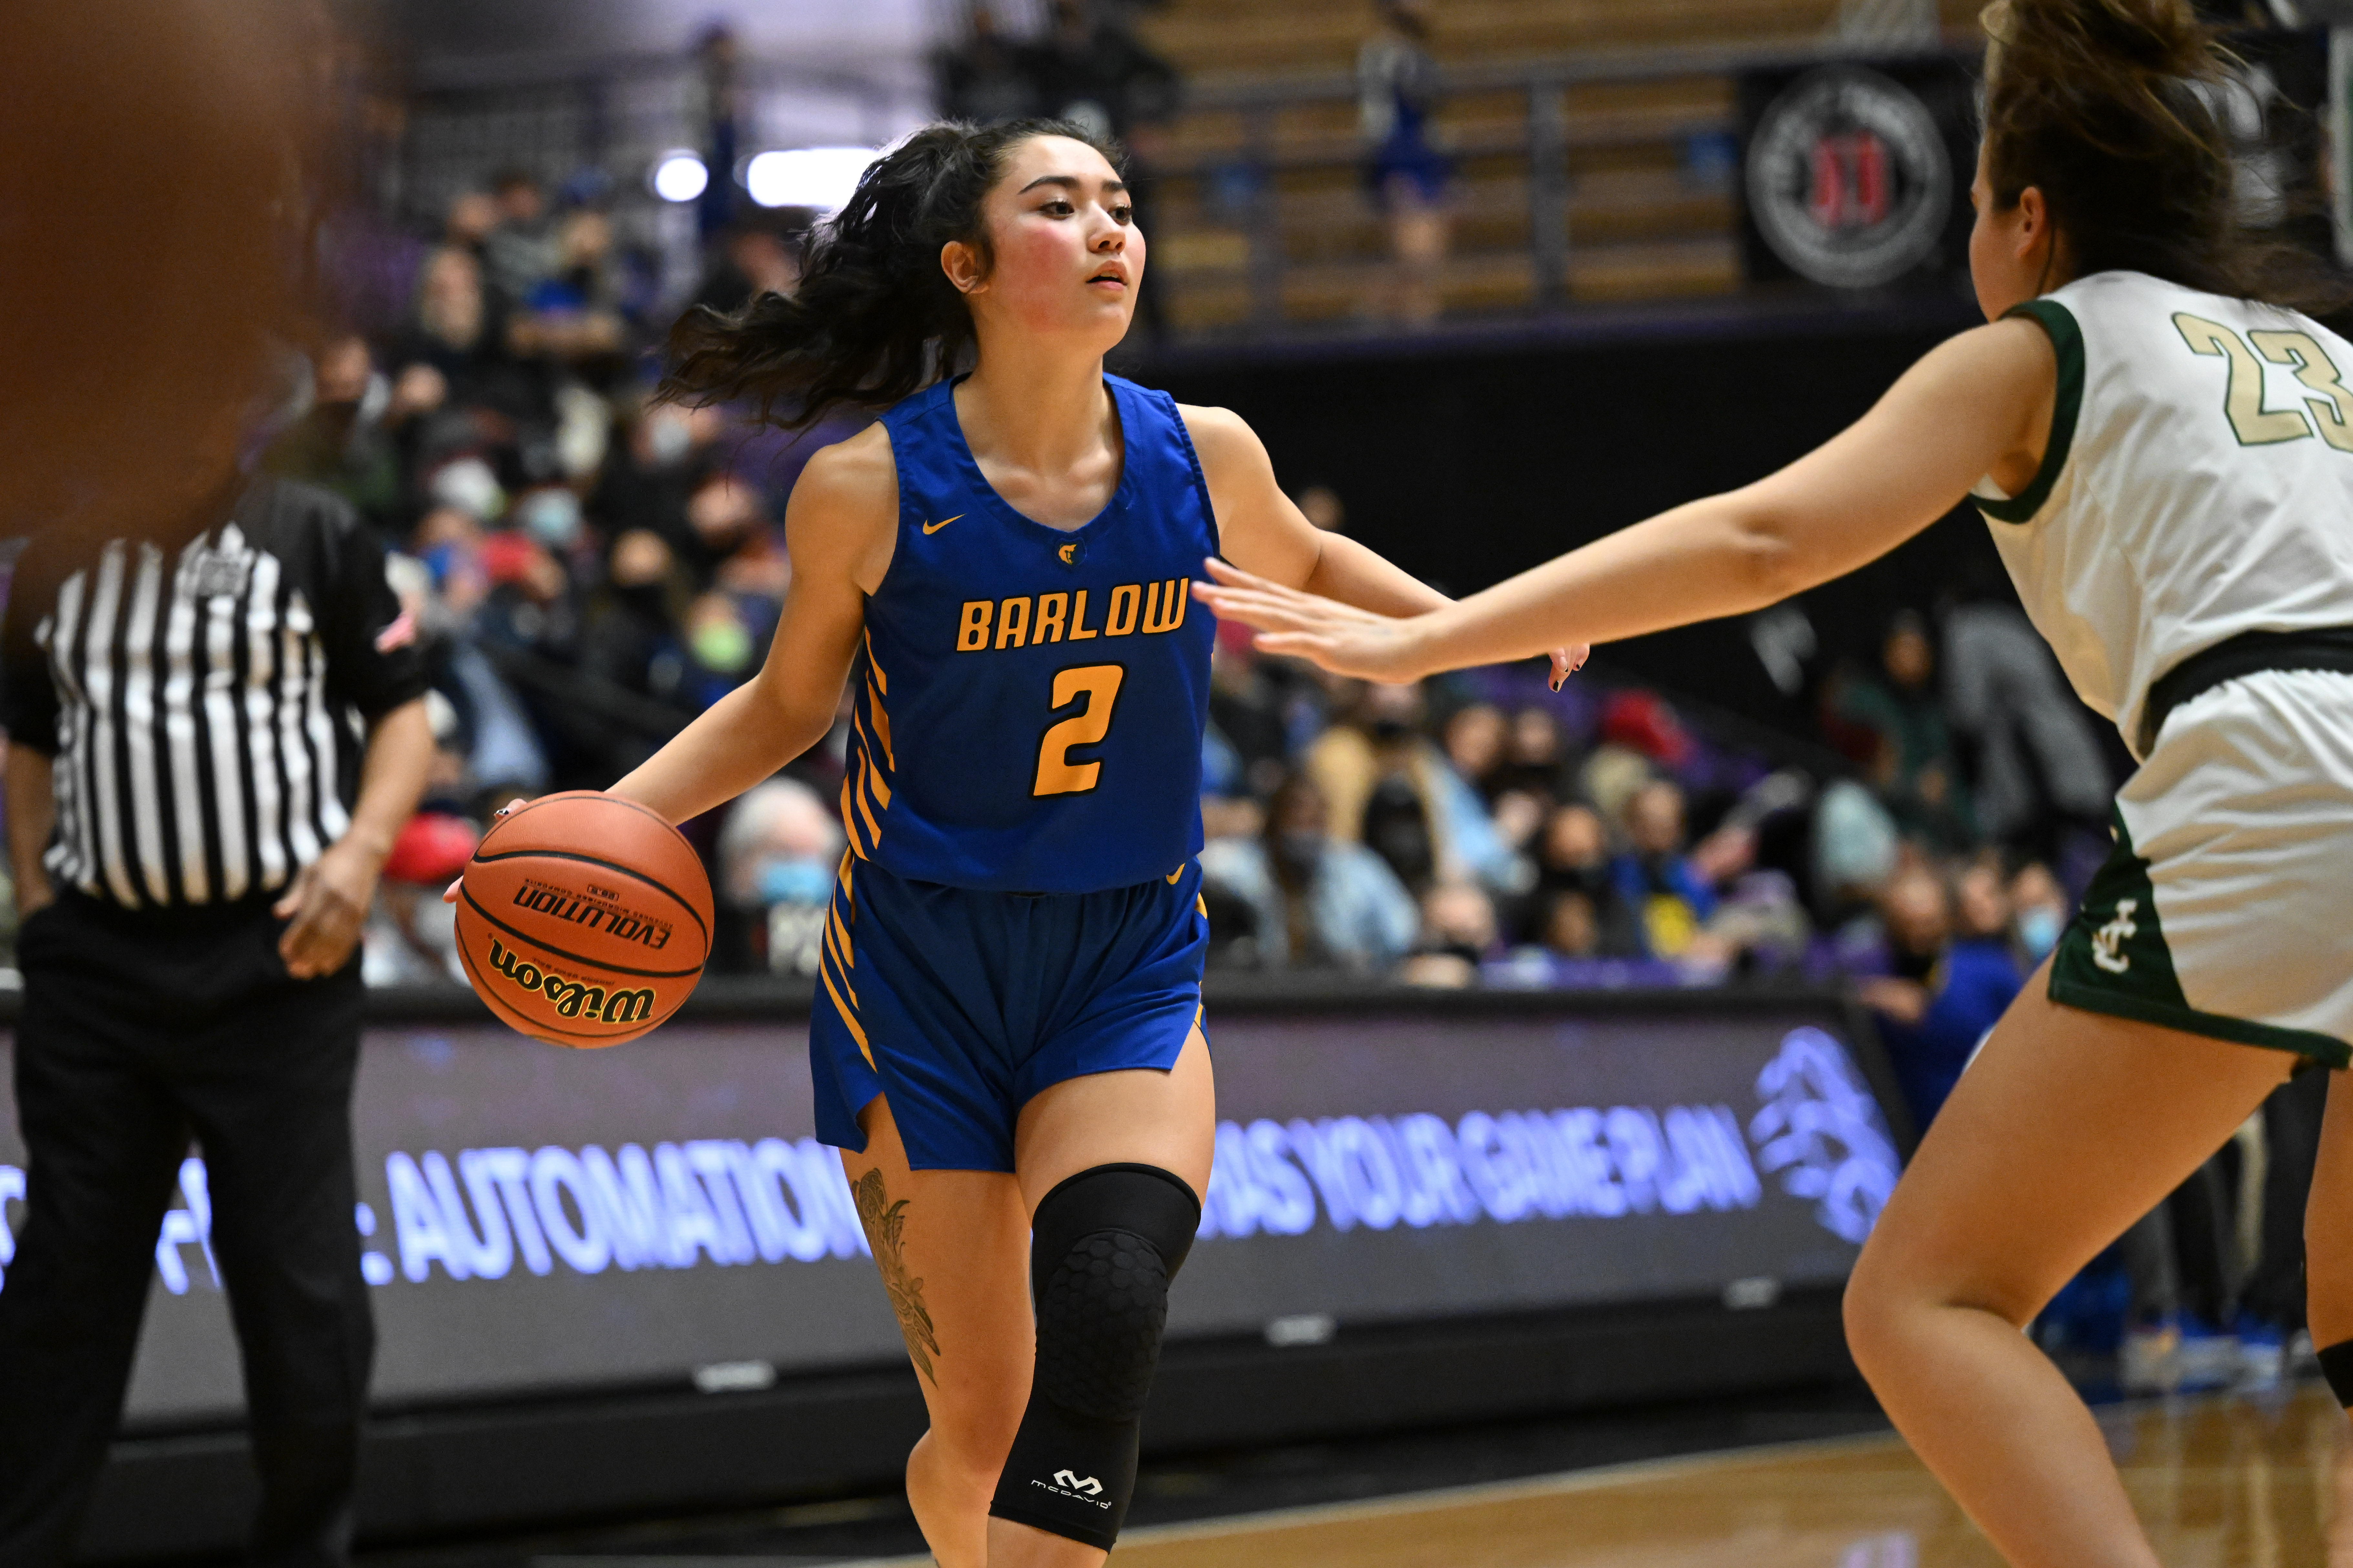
2187,547
2168,468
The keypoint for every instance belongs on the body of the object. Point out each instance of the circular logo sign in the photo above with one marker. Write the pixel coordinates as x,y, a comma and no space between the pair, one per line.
1848,180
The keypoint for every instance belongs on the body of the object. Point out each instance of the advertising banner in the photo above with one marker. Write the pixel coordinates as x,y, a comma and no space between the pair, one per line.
536,1221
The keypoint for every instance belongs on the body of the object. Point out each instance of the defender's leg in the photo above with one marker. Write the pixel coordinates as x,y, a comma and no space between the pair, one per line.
2328,1260
2070,1125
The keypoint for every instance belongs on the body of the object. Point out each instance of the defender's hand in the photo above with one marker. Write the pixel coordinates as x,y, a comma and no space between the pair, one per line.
1568,661
1342,638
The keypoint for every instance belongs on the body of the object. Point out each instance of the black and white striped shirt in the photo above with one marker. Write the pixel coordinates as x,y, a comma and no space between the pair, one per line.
201,700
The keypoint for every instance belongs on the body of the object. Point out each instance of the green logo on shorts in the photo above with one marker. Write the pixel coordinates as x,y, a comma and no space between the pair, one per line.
2108,941
2123,967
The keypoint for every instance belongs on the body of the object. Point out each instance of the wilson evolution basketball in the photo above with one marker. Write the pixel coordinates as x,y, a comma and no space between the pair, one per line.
584,919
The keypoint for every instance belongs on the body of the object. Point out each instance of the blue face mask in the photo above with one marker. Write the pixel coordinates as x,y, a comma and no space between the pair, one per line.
553,516
2038,930
794,882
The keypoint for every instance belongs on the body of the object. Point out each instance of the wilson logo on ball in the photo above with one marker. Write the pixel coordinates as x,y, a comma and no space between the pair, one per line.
572,998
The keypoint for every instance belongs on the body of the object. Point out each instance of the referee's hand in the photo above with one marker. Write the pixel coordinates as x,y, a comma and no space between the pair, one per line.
325,909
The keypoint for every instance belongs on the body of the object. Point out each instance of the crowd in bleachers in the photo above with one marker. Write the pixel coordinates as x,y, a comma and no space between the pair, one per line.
1481,829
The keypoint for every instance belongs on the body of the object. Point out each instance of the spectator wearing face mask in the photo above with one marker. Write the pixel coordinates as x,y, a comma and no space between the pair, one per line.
1458,933
778,855
1476,741
728,542
723,645
341,443
632,621
651,471
1314,901
1573,857
1392,790
1536,759
1942,990
519,252
573,315
2040,911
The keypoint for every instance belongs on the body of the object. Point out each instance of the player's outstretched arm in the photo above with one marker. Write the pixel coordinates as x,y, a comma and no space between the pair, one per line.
1263,531
839,529
1978,403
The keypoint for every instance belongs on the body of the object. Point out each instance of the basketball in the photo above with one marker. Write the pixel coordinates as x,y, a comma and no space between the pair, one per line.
584,920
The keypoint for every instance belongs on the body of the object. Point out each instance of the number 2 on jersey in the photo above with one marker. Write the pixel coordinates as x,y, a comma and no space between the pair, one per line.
2331,405
1099,684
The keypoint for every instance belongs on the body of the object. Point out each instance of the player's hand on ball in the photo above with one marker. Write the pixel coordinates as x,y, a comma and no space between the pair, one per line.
450,893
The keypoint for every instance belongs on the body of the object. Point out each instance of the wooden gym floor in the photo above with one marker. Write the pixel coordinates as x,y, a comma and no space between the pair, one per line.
2222,1482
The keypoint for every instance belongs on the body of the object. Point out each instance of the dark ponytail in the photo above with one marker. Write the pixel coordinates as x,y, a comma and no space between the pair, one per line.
874,318
2109,107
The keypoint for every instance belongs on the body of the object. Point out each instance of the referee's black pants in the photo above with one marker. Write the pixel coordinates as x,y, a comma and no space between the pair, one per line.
139,1032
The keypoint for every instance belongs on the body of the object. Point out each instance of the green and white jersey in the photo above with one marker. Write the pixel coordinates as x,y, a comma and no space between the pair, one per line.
2198,483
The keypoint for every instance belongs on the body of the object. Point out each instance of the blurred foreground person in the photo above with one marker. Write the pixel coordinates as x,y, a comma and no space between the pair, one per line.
196,833
168,158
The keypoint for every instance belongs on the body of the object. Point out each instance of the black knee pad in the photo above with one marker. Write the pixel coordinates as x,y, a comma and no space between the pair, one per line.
1102,1249
2337,1366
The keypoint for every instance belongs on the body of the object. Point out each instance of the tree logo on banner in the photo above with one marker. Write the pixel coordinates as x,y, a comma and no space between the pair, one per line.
1821,1130
1848,180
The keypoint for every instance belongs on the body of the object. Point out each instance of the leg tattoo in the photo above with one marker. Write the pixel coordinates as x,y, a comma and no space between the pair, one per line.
884,1220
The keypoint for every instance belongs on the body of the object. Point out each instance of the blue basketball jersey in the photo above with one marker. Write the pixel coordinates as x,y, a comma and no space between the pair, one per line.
1031,700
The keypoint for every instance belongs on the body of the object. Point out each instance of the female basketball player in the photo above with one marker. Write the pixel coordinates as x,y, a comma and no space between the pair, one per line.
1007,1040
2168,467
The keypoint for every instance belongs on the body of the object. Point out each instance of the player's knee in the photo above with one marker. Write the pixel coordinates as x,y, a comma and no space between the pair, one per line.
1883,1307
1866,1310
2337,1366
2328,1291
973,1434
1105,1246
1102,1303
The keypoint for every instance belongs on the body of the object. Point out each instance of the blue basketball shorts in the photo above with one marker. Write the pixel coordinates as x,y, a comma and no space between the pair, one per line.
958,1007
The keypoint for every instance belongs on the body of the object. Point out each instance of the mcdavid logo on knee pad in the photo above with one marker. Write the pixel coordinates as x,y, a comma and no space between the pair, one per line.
1077,1488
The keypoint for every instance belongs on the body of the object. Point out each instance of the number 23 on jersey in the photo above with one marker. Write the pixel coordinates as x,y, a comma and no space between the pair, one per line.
2329,404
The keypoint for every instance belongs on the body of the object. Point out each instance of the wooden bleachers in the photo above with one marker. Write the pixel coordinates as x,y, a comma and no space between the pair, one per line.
1650,211
1208,38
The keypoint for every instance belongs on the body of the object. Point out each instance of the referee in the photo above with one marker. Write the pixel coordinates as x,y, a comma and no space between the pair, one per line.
214,738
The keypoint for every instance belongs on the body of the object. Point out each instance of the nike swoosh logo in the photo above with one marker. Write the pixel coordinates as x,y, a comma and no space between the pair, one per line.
935,527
